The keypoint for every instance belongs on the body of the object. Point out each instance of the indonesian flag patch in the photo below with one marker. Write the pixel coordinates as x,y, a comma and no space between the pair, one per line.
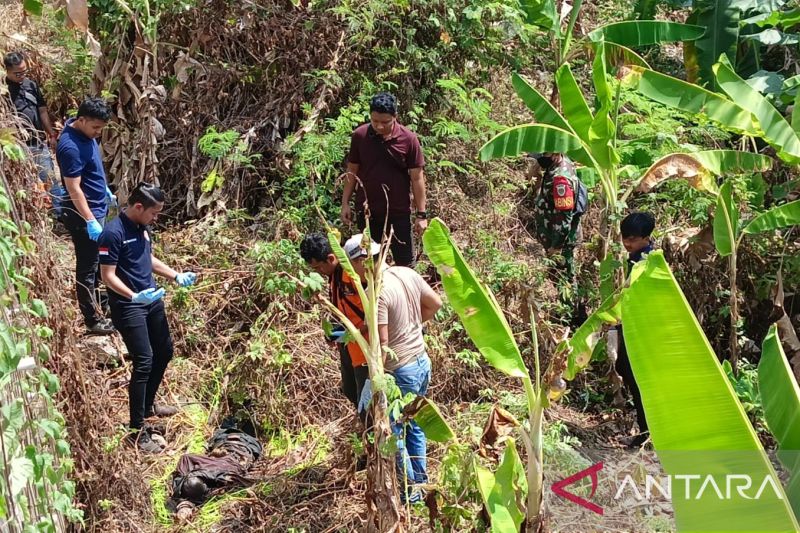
102,251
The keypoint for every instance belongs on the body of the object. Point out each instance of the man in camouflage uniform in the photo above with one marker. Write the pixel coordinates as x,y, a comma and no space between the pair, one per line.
556,229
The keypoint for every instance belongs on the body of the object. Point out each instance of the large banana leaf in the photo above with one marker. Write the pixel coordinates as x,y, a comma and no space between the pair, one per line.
726,221
634,33
542,13
780,397
688,97
618,55
776,218
473,302
534,138
574,105
503,492
726,162
696,422
722,22
775,130
427,415
543,110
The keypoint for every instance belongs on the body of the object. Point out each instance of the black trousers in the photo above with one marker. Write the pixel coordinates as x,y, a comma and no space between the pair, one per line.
145,330
87,267
353,379
623,368
402,245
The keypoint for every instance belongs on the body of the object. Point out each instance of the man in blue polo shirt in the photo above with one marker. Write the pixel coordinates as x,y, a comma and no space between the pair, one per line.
127,265
85,210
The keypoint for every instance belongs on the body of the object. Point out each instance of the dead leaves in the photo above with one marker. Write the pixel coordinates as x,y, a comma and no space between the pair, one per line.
676,166
497,429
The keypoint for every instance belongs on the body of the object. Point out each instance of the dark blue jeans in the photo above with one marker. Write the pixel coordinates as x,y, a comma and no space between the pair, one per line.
145,330
412,447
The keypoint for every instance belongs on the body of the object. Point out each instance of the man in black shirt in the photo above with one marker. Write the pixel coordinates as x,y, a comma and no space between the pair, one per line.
127,265
29,103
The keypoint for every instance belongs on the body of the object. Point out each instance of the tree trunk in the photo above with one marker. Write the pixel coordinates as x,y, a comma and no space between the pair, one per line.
733,340
383,502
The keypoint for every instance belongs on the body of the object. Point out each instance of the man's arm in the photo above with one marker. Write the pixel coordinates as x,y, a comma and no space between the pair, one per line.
160,268
429,303
383,335
349,187
418,190
73,185
109,275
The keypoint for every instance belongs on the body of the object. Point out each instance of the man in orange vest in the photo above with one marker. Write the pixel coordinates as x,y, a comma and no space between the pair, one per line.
316,252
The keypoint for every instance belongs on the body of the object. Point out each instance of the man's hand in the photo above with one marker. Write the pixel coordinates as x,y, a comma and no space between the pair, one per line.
420,225
347,214
112,198
186,279
147,296
94,229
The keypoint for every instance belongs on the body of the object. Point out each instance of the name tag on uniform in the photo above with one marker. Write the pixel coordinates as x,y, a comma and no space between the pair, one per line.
129,241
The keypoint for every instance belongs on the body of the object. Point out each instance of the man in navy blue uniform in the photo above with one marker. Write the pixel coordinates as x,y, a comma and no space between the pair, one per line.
127,266
85,210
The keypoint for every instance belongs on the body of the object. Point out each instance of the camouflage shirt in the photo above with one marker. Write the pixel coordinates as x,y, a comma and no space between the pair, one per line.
554,228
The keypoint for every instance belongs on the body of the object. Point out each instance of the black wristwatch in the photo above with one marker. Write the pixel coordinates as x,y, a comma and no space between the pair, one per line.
421,214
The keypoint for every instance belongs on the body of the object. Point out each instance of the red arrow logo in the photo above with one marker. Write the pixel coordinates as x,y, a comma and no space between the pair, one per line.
558,487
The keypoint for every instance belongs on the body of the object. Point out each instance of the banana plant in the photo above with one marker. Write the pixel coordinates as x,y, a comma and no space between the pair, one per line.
697,425
780,398
488,328
586,135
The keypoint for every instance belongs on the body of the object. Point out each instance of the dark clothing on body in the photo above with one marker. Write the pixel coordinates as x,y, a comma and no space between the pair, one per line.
144,328
87,267
353,377
27,99
402,245
385,162
79,156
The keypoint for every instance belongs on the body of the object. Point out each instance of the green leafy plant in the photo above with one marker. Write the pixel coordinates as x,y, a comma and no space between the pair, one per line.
228,151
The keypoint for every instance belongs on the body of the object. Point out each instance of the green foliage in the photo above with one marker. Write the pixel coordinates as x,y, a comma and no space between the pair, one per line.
34,471
229,150
745,384
273,261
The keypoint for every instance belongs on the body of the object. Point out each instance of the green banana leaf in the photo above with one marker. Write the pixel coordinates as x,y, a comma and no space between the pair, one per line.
726,221
542,13
602,88
697,425
776,218
543,110
796,112
535,138
574,105
504,491
691,98
429,418
780,397
721,37
583,341
473,302
635,33
771,36
775,130
726,162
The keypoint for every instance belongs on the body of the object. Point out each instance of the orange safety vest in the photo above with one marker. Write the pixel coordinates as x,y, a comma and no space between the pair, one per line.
344,295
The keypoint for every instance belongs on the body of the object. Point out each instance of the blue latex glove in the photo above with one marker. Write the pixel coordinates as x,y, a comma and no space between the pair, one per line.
112,198
147,296
186,279
338,335
94,229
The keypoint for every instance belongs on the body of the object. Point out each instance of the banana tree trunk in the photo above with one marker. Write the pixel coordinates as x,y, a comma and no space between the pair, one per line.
383,502
733,340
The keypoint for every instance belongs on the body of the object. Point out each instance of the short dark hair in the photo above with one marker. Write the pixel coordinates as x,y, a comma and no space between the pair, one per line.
638,224
12,59
383,103
146,194
315,246
96,108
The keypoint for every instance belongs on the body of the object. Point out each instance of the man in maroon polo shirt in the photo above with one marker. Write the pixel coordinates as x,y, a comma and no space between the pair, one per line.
384,154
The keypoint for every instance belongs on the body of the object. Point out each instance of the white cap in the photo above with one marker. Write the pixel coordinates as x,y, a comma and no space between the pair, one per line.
354,250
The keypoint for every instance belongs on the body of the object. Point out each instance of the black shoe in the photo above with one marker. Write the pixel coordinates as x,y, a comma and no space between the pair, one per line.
639,440
144,442
101,327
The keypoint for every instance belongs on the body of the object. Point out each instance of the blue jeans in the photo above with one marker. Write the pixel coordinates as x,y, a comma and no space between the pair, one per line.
411,443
